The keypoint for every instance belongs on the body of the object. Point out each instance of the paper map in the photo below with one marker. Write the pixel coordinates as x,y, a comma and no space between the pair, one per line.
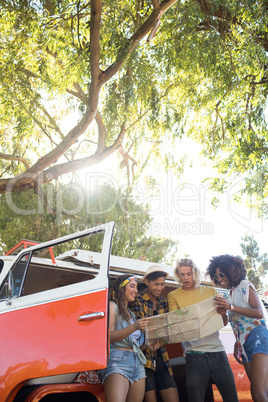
187,324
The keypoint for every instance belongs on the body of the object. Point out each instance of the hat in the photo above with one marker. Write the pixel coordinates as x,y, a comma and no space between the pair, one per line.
155,268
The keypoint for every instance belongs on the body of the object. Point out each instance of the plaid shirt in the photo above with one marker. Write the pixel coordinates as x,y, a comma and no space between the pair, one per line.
143,307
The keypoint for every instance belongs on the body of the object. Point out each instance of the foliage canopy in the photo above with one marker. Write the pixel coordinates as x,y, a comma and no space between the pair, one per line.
81,80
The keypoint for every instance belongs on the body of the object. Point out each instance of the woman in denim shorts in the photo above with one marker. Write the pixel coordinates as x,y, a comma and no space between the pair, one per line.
247,316
124,376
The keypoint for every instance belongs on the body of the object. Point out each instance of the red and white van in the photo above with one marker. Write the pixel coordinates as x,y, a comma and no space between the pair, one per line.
54,319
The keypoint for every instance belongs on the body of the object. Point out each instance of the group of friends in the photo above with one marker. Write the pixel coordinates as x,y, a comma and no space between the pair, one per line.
136,371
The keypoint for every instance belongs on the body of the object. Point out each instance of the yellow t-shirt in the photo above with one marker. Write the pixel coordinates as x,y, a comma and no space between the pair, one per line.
180,298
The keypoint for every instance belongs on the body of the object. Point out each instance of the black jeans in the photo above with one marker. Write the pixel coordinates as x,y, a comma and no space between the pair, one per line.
214,366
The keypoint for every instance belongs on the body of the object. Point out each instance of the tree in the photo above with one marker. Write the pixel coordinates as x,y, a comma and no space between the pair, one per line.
65,51
136,86
256,264
27,216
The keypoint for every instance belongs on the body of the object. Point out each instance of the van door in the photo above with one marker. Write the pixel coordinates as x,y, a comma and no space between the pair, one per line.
54,313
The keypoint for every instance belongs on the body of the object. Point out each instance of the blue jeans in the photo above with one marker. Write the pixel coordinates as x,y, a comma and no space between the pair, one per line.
213,366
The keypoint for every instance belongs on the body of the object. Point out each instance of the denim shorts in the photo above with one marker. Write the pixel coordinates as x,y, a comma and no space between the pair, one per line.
125,363
257,342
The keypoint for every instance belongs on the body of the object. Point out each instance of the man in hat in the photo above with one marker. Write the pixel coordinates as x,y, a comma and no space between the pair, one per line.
149,302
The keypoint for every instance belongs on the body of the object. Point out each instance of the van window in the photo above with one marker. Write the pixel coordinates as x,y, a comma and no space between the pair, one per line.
40,278
4,291
13,282
40,271
17,275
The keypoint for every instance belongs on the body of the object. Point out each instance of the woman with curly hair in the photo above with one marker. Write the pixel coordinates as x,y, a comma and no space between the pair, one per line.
124,376
246,315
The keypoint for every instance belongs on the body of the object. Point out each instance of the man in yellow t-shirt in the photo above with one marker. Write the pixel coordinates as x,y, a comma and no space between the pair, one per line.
205,358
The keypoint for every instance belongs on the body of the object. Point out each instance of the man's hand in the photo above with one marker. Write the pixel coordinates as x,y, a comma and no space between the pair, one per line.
155,346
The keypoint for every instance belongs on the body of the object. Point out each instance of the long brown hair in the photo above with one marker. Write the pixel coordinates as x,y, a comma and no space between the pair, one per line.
117,296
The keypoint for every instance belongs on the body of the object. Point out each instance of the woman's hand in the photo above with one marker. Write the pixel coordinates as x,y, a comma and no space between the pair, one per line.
254,311
222,304
141,323
221,310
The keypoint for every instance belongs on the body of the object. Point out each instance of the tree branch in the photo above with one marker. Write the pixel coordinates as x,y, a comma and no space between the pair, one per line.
96,8
78,93
135,39
156,4
15,158
102,133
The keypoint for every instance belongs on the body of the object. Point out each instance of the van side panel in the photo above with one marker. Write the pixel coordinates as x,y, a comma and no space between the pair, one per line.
50,337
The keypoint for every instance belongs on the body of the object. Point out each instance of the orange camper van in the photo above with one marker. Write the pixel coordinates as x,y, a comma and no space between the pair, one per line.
54,320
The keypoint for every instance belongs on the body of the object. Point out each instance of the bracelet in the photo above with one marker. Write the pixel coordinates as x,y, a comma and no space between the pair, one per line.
232,307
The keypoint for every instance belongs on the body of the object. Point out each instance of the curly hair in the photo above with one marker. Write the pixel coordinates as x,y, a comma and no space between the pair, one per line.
117,296
232,267
187,262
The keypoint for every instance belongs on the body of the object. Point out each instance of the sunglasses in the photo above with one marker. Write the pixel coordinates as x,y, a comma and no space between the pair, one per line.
219,276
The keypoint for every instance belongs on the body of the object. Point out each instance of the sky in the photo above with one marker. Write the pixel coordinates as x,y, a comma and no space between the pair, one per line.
202,230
